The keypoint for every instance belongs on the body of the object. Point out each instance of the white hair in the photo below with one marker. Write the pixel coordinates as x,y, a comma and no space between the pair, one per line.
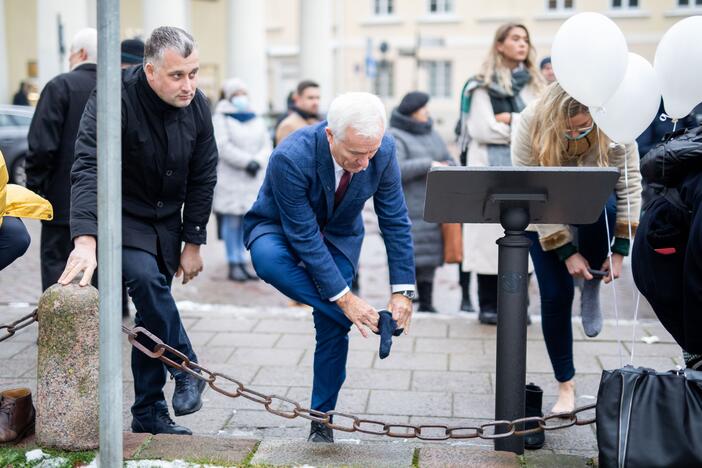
364,112
86,39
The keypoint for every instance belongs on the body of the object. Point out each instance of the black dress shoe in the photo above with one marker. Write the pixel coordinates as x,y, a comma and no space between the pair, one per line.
237,272
249,274
156,420
488,317
187,397
320,433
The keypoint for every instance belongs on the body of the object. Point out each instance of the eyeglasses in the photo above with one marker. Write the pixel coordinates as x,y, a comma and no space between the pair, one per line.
578,133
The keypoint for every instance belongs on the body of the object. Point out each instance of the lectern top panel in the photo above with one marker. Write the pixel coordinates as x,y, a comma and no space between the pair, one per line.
553,195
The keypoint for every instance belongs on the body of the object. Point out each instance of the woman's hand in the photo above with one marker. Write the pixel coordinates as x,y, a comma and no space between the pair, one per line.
504,117
577,266
617,261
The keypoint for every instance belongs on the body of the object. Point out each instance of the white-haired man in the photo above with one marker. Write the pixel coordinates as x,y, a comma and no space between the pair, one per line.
52,138
305,231
169,170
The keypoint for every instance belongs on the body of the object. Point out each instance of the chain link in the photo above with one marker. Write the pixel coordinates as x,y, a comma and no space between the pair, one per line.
11,328
291,409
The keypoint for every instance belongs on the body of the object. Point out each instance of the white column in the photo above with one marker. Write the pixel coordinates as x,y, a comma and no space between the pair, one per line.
5,95
247,56
316,59
166,13
72,16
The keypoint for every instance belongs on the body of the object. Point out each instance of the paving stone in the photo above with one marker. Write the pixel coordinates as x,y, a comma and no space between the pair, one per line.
200,338
215,400
266,357
654,362
449,345
241,372
466,405
131,443
261,419
350,400
385,379
428,327
287,376
356,358
654,349
296,341
410,403
10,348
290,453
20,366
211,357
547,460
471,382
214,450
416,361
207,421
248,340
471,328
224,324
285,326
472,362
459,457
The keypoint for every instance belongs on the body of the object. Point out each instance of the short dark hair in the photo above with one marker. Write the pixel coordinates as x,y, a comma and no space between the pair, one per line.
303,85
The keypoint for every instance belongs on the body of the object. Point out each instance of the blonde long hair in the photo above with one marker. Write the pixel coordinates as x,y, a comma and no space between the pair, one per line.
548,129
494,64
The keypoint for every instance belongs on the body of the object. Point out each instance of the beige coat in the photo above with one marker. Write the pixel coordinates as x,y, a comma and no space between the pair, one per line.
292,122
623,157
479,247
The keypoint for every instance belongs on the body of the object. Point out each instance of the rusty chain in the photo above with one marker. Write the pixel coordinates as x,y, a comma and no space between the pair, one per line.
291,409
11,328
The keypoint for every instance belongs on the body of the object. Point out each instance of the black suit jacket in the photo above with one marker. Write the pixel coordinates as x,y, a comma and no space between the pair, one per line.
52,137
155,186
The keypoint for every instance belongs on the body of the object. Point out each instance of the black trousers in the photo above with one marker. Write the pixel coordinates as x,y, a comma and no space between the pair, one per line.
56,246
149,286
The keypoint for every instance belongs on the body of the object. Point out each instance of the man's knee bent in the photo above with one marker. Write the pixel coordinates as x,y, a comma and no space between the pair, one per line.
268,254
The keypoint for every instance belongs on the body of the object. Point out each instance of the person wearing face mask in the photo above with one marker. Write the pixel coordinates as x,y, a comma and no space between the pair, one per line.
554,131
490,106
419,148
244,147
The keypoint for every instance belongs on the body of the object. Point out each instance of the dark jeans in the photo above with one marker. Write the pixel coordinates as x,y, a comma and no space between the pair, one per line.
149,286
556,288
56,246
14,240
277,264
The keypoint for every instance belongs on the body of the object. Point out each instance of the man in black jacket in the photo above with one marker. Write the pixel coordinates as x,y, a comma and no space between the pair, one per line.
169,160
52,138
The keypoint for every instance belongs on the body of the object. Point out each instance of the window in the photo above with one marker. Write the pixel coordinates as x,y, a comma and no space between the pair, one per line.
559,5
625,4
439,78
384,82
440,6
689,3
383,7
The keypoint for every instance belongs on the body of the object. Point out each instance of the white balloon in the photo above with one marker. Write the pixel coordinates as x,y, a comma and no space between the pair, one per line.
678,64
634,104
589,57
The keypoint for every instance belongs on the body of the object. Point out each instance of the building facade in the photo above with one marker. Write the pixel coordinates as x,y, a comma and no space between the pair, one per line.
388,47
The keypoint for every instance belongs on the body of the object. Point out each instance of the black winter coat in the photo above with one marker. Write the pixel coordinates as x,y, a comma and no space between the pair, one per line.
168,164
52,137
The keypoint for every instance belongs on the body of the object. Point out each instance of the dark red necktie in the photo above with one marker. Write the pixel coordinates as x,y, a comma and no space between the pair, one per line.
341,189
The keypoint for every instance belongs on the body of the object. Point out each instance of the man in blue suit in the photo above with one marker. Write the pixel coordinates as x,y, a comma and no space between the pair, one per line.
305,231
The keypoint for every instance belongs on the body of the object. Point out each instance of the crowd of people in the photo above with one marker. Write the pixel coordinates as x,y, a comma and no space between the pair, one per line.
295,202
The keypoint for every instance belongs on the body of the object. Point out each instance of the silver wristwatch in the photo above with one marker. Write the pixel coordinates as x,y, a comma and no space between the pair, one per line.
407,293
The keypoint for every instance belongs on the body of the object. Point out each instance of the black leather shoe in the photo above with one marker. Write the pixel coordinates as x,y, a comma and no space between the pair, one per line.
237,273
320,433
488,317
532,407
187,397
156,420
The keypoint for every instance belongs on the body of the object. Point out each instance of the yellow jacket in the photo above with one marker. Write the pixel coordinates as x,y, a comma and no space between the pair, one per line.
19,202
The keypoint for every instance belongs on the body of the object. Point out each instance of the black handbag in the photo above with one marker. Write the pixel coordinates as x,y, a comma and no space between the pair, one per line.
649,419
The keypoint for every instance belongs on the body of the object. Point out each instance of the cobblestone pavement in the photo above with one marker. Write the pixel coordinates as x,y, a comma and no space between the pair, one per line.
443,372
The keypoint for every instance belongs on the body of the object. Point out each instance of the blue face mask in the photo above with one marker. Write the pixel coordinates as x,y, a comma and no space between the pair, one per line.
240,103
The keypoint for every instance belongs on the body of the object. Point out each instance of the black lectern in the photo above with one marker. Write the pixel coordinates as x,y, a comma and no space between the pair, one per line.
515,197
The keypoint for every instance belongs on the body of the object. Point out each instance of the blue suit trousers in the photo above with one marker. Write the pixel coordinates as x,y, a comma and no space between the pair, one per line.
276,263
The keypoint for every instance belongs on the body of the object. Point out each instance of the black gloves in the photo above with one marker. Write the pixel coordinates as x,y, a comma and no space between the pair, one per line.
252,168
387,329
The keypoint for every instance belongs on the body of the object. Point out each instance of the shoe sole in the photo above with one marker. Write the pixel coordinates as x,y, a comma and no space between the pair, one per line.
195,409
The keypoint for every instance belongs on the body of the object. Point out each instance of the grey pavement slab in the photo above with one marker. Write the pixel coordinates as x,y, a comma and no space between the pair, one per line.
288,453
410,402
212,450
248,340
471,382
459,457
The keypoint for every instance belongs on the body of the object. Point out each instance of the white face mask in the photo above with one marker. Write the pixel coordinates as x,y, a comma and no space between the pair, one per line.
240,102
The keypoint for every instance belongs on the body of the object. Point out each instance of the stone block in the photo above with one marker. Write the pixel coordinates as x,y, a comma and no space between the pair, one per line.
67,401
459,457
212,450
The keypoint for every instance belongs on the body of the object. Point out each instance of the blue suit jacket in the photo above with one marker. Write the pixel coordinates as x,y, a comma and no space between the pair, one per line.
297,200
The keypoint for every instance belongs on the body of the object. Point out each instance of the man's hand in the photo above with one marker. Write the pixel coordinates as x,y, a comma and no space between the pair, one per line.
504,117
359,312
617,261
401,308
577,266
82,259
190,262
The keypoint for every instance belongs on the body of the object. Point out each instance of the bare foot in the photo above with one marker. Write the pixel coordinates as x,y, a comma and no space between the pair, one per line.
566,398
